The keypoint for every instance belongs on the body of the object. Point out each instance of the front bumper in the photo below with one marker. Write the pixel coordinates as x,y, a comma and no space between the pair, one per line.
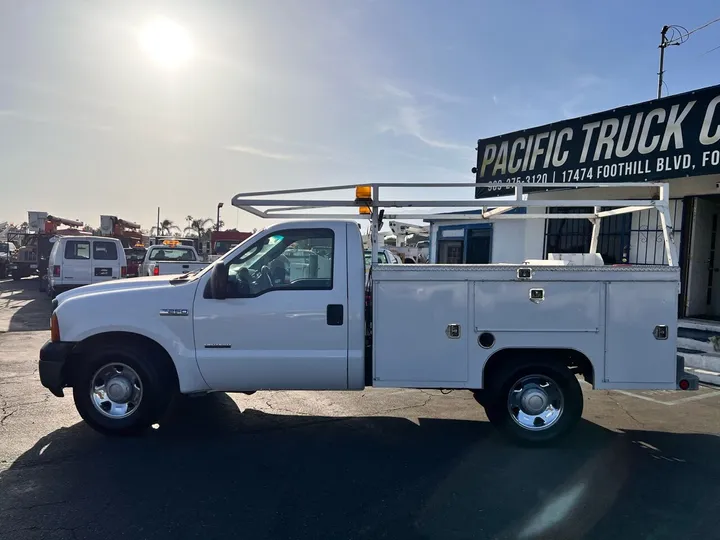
53,359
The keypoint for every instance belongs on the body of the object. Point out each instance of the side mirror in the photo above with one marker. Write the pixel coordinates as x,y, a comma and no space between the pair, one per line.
219,281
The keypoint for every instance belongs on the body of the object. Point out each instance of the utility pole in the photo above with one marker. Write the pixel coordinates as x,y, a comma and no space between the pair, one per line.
663,45
217,221
157,230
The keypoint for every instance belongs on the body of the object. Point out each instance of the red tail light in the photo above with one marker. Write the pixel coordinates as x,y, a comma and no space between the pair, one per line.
56,271
156,271
123,271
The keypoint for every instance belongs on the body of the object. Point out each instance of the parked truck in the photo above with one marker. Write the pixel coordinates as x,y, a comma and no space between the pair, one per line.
518,336
32,256
126,231
170,257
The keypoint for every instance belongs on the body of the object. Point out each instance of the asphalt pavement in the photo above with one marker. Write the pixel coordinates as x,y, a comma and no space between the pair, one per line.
376,464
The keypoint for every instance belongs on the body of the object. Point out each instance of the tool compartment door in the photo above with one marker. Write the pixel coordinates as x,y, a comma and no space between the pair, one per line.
420,332
542,306
633,354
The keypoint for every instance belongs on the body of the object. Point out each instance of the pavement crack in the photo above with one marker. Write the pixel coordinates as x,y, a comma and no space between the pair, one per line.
6,415
623,409
404,407
281,409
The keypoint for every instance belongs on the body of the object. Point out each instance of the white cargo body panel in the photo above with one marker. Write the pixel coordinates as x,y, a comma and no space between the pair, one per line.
416,347
566,306
632,352
607,313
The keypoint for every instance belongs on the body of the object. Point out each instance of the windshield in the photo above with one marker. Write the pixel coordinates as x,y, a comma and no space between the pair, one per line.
5,247
173,254
135,254
223,246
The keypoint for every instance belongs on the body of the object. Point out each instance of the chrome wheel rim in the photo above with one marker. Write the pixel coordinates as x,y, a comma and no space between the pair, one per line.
535,402
116,390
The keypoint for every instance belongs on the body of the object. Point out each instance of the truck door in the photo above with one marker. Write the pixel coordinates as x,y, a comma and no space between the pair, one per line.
105,261
275,330
76,266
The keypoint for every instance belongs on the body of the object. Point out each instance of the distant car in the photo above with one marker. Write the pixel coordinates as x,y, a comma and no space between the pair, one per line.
385,256
7,251
135,257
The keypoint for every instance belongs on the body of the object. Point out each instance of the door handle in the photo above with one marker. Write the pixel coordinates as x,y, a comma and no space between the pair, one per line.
335,314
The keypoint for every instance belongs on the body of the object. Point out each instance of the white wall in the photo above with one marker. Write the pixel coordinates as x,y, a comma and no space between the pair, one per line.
512,239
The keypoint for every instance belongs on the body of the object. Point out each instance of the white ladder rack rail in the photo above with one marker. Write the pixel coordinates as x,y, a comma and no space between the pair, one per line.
254,202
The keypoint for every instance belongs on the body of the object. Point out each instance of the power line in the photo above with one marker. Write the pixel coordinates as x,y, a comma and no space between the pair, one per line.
711,50
688,34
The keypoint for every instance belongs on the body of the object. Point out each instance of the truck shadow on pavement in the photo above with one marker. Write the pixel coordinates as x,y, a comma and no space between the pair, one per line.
29,308
211,471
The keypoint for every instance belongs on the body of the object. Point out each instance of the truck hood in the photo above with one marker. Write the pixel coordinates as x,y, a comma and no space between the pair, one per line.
116,285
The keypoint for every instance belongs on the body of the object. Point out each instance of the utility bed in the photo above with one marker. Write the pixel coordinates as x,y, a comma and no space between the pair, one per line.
608,313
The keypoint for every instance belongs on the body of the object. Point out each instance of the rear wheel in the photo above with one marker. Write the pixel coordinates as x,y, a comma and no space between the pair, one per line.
120,390
534,402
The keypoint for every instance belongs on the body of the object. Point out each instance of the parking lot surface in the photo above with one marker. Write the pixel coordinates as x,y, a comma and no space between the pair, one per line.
374,464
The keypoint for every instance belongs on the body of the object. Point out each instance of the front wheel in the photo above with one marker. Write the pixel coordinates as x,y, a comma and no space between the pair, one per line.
120,391
534,403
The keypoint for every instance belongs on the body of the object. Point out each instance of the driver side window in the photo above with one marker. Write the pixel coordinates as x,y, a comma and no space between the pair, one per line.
294,259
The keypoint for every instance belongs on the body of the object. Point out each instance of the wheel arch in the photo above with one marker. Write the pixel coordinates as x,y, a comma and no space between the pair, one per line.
505,359
123,338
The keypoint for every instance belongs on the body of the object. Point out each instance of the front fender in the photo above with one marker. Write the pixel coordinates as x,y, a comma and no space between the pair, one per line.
138,311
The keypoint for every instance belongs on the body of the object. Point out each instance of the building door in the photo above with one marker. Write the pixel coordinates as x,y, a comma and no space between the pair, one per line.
479,246
703,289
450,251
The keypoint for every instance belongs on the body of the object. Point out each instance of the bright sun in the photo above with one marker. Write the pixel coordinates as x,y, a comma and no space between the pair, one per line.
166,42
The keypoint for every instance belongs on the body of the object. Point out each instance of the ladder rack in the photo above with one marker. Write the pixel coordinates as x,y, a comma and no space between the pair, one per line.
292,206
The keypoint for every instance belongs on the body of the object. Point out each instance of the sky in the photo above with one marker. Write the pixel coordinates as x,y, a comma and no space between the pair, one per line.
300,93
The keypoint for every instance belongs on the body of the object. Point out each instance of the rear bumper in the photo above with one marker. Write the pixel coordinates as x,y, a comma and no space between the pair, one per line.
53,359
57,288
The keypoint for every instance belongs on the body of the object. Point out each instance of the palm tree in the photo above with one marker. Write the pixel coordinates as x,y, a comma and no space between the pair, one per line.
167,226
198,227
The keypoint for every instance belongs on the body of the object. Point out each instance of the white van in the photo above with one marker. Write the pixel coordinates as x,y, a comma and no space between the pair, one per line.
81,260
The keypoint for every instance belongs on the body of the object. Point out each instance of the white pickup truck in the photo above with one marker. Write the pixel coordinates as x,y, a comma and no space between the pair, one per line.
517,336
165,260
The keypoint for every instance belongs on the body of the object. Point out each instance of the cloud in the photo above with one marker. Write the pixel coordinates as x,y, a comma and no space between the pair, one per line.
314,147
410,118
389,89
495,99
56,121
444,96
409,121
270,154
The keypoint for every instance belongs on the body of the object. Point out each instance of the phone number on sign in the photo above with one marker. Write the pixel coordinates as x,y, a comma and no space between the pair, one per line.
569,175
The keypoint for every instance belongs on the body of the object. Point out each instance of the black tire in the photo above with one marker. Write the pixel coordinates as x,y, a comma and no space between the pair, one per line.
43,284
16,277
495,401
157,390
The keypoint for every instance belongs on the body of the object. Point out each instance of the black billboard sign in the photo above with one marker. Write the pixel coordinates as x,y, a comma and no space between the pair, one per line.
652,141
